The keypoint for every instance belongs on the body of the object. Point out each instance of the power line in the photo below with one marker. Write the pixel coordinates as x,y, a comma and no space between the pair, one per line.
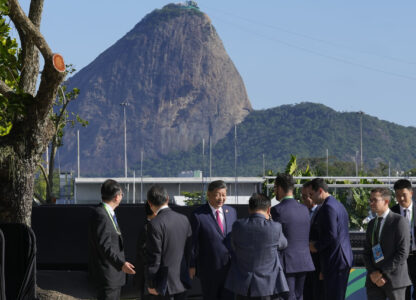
314,52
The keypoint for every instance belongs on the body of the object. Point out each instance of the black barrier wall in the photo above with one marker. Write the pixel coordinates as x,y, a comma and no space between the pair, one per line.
62,233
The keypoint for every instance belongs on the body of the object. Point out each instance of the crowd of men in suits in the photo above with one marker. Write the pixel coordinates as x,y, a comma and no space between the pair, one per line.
288,251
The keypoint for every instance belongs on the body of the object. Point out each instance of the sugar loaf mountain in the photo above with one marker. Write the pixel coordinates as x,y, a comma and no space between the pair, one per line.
182,87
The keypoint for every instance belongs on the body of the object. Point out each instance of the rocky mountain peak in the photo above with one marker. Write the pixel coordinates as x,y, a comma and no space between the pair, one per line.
180,84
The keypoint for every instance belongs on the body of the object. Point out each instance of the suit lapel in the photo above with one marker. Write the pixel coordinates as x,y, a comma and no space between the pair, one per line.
385,228
228,225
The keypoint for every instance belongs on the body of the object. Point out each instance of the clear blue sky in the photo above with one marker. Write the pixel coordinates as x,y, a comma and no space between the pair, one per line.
349,55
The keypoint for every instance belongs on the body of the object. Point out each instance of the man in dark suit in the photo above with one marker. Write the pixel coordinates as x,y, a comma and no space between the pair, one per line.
107,263
294,217
168,242
332,241
141,251
256,272
404,193
313,286
386,249
211,255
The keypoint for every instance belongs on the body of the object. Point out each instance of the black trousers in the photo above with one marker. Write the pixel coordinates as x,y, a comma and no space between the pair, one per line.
335,285
180,296
107,293
411,266
274,297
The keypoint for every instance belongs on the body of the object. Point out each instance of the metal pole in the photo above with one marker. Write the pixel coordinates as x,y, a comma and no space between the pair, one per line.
203,166
327,162
210,158
134,187
361,141
79,171
124,104
264,167
141,177
235,162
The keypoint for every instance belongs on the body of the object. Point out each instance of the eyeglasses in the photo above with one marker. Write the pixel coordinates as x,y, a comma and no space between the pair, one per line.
372,200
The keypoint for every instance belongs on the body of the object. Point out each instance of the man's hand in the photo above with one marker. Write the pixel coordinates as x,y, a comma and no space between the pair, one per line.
321,276
312,247
152,291
128,268
192,273
376,276
381,282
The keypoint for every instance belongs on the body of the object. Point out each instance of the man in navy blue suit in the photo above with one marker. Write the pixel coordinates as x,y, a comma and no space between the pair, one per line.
332,241
256,272
211,227
294,217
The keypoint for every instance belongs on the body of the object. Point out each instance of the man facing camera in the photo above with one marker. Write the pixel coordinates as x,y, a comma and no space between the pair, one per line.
168,242
256,272
386,249
107,263
211,255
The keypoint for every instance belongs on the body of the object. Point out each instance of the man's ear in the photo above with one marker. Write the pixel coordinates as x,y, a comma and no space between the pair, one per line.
167,199
269,210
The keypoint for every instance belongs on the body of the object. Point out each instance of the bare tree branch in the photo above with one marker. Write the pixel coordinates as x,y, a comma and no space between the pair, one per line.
30,54
22,22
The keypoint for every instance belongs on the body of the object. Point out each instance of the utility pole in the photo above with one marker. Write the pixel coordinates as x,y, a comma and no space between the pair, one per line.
361,141
124,104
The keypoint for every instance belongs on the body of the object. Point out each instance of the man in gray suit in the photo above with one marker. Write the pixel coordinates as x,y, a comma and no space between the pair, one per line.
256,272
386,250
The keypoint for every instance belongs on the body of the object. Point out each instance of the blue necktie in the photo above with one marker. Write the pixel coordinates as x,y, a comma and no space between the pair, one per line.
115,220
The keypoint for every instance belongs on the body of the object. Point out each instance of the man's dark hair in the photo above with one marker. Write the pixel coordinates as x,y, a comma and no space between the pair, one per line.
384,192
259,202
285,181
402,184
148,210
157,195
318,183
109,189
217,184
307,184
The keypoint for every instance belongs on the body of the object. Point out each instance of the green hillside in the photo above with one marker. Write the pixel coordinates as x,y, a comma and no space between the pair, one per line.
305,130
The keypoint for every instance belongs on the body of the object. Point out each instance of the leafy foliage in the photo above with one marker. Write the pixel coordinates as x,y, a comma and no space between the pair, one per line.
192,198
10,66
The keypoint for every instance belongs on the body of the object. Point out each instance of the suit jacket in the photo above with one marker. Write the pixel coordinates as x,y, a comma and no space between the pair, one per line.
295,221
211,252
395,244
333,238
168,242
396,209
211,247
255,265
106,250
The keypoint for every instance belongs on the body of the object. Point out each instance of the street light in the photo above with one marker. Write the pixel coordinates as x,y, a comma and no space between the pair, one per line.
124,104
361,140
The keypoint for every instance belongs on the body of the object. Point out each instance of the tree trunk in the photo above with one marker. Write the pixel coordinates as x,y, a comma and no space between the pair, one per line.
16,188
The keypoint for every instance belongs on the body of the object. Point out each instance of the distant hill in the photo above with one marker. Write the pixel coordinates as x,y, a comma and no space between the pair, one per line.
180,84
305,130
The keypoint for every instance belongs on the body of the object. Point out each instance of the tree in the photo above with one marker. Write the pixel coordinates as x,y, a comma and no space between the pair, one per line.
26,125
61,118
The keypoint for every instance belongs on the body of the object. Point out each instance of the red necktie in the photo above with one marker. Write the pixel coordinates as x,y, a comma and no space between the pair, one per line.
217,212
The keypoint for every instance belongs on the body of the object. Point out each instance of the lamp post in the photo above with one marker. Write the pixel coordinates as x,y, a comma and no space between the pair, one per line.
124,104
361,140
